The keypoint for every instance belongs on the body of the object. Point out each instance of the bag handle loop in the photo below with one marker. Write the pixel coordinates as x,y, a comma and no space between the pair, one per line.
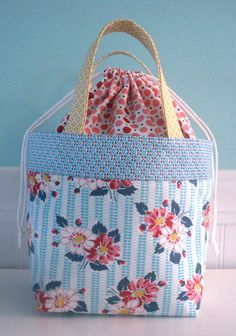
76,122
121,52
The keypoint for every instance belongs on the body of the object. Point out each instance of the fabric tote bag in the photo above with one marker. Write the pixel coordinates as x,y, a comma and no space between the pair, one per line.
119,197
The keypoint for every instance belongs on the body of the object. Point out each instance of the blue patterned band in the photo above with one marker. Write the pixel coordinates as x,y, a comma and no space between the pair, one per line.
120,157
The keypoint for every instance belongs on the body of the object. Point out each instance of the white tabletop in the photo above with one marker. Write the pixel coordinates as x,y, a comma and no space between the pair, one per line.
18,317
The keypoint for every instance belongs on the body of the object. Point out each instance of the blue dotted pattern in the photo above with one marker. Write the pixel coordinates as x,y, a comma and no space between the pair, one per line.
120,157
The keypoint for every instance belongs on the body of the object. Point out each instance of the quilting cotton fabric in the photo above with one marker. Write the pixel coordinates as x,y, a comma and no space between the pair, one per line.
128,102
139,250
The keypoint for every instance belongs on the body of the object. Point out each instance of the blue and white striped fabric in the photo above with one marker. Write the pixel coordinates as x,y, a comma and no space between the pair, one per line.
118,246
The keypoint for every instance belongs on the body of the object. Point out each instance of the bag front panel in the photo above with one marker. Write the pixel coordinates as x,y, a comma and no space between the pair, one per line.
118,246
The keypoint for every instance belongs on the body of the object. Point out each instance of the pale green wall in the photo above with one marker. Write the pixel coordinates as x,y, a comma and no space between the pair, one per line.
43,42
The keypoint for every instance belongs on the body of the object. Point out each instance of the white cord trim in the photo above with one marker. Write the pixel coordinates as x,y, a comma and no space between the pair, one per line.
22,207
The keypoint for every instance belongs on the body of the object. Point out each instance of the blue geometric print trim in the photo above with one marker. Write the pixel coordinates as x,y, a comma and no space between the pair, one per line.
120,157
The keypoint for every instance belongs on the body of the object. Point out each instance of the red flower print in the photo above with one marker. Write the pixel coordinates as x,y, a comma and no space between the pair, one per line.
103,251
195,288
157,219
179,184
33,183
116,184
192,288
137,294
142,227
41,298
165,202
40,184
126,183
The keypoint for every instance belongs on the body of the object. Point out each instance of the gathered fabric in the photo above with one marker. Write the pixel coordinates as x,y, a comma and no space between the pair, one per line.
128,102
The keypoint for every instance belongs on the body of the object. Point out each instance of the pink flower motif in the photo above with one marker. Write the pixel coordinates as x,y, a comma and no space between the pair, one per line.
57,299
123,308
60,300
48,183
157,220
104,250
89,183
45,182
174,238
77,239
195,288
206,219
139,293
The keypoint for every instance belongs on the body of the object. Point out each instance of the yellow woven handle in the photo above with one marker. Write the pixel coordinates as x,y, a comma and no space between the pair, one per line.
121,52
76,122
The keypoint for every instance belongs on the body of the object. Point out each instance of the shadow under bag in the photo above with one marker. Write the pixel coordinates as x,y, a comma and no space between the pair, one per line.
119,197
